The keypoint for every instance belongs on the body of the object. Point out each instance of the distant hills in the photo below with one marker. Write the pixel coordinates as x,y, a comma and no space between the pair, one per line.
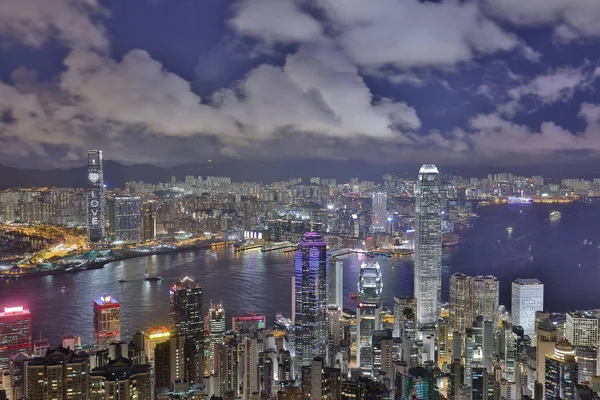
116,174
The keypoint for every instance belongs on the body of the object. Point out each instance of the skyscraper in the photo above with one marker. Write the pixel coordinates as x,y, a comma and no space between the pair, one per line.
561,372
379,214
368,313
428,248
107,321
547,336
149,220
582,328
128,219
95,197
527,298
472,297
15,333
216,320
336,283
186,315
311,299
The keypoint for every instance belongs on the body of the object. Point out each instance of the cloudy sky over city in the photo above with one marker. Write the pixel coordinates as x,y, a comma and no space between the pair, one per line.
494,82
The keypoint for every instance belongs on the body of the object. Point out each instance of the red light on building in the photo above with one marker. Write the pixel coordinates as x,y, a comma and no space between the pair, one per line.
107,321
15,333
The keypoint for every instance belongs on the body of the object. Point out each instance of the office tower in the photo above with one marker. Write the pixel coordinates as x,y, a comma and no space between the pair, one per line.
405,313
561,372
226,356
444,350
382,352
417,383
336,284
335,333
547,336
121,379
379,214
471,297
479,383
320,382
586,363
61,374
527,298
95,197
128,219
249,323
15,333
176,361
149,220
107,321
154,337
368,313
428,247
510,353
187,316
311,299
216,321
250,377
16,368
581,328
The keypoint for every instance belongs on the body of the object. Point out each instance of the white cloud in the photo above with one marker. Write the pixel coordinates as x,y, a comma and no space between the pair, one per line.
571,19
33,22
274,21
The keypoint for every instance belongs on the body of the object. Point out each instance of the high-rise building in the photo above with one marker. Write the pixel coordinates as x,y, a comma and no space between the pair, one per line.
582,328
95,197
383,352
175,361
428,247
128,219
121,379
379,214
107,321
149,220
216,320
310,293
368,313
186,315
154,337
18,363
561,372
336,284
472,297
320,382
226,356
527,298
61,374
547,336
15,333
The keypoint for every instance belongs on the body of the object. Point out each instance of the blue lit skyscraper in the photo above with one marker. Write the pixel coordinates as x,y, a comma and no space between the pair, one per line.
428,246
310,299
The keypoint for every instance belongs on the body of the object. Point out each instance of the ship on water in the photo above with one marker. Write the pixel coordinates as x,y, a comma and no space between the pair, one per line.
555,216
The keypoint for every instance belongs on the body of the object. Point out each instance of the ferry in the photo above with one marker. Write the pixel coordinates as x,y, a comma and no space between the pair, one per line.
520,200
281,322
152,278
555,216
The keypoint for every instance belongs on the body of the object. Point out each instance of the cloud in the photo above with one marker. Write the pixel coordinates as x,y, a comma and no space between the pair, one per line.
318,90
274,21
558,85
33,22
570,19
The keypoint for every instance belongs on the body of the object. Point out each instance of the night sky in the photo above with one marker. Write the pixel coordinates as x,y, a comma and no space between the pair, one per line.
481,82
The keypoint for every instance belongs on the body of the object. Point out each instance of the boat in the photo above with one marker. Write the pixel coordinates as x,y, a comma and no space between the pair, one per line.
281,322
520,200
555,216
152,278
509,229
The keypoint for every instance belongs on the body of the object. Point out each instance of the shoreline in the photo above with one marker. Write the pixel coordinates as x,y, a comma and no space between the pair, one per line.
100,264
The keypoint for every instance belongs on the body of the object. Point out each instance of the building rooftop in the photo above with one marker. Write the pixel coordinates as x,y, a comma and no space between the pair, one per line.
186,283
106,299
428,169
527,281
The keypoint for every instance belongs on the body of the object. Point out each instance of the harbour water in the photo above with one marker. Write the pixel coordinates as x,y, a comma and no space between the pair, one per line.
565,256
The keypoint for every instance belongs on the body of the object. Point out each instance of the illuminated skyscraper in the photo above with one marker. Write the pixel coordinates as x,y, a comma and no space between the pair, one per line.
311,299
128,219
472,297
216,318
368,313
149,220
582,328
95,197
527,298
379,214
187,317
15,333
154,337
107,321
428,247
561,372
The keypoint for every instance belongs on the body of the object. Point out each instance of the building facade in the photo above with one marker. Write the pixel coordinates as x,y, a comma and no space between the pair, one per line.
15,333
107,321
96,223
428,246
379,213
310,294
128,219
368,313
527,298
561,372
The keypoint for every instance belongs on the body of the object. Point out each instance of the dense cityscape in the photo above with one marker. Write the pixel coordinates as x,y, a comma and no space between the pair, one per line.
466,346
